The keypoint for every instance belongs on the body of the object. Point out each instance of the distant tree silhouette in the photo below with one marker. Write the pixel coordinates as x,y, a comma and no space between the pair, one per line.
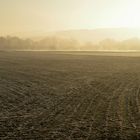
56,43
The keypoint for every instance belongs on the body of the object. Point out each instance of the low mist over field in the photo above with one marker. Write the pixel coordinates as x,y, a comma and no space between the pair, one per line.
69,70
84,40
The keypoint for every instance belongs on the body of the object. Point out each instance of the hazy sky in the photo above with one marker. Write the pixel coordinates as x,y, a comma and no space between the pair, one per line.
50,15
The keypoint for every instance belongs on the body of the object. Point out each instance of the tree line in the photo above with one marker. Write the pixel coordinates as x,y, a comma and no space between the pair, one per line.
55,43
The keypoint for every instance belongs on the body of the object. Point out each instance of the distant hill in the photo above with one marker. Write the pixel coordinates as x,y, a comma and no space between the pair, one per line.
97,39
97,35
84,35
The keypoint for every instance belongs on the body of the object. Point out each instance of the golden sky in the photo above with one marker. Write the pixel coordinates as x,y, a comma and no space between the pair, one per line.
51,15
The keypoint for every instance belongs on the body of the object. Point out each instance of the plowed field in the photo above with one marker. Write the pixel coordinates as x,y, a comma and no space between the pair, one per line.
50,96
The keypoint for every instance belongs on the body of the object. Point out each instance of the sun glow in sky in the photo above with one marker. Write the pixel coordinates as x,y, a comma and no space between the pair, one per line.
51,15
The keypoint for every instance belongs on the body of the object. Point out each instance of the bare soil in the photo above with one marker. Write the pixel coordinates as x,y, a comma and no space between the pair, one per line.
52,96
